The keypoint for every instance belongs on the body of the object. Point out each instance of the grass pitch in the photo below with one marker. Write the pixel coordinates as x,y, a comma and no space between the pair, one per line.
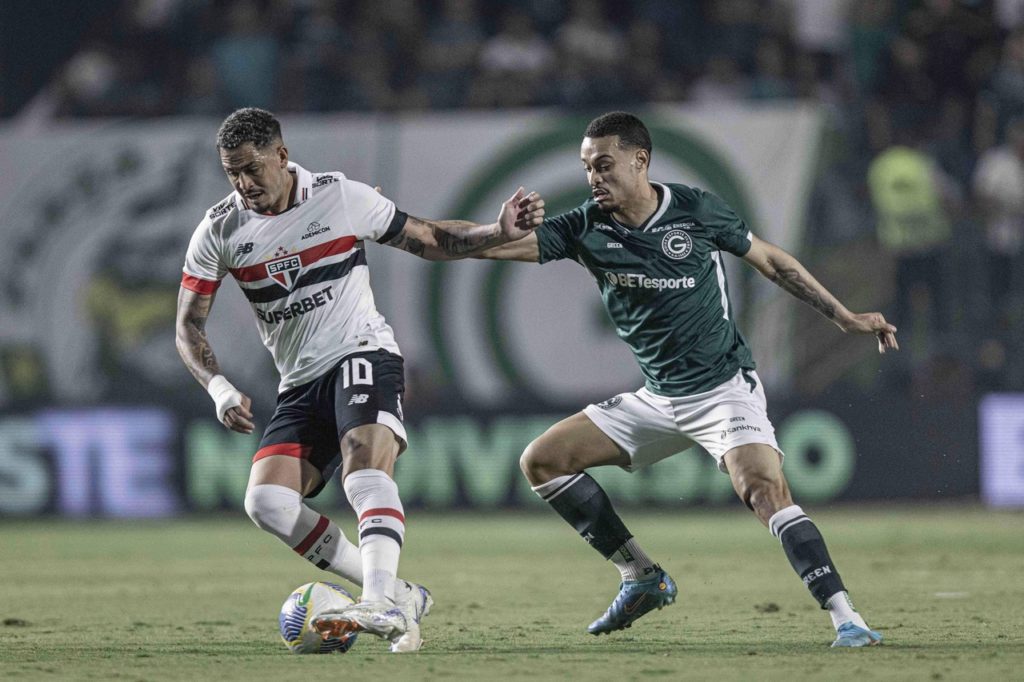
198,600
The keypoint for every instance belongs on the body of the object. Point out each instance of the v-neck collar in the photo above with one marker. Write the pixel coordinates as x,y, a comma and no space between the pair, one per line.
665,200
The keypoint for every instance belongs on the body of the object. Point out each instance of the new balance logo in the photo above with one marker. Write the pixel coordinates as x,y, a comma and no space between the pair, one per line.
243,249
358,399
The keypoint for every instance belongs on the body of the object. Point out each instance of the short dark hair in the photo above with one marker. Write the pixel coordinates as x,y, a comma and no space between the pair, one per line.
631,130
248,125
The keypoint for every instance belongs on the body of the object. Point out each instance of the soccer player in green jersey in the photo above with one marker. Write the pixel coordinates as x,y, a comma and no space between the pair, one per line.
655,250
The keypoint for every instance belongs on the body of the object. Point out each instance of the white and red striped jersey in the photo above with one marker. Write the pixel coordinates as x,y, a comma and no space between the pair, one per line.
304,271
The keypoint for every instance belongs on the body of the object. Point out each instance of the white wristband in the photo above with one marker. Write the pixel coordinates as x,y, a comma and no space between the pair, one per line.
225,396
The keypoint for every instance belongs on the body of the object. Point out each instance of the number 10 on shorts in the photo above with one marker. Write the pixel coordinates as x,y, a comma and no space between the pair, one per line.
356,372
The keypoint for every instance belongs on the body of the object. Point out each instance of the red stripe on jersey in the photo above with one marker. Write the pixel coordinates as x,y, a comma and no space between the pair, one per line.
331,248
382,511
313,536
254,273
200,286
297,450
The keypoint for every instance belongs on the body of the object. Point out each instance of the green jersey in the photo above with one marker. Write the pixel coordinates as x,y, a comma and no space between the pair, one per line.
663,284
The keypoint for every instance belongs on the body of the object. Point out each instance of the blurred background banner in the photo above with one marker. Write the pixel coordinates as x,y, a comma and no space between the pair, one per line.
881,141
97,218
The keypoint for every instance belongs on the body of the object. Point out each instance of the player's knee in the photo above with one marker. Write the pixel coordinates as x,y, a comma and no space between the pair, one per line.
268,512
535,462
759,489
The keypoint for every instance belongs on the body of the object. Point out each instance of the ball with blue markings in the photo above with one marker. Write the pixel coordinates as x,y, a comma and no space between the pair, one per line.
300,608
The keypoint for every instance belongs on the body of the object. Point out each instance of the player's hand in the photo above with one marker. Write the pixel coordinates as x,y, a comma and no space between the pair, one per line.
873,323
233,407
240,418
521,214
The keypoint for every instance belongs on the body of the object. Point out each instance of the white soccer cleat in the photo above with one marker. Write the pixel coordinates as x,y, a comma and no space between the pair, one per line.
387,621
415,602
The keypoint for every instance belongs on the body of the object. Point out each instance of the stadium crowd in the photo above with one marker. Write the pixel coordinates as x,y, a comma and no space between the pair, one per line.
924,156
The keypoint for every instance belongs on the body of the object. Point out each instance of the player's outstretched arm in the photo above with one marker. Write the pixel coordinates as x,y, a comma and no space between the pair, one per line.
233,406
520,215
526,250
786,271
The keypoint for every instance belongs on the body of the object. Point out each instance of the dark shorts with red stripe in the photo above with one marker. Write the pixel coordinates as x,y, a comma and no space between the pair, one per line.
310,420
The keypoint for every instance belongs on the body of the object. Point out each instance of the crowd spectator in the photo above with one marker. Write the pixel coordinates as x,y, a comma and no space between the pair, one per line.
910,196
246,56
948,74
514,64
999,190
454,40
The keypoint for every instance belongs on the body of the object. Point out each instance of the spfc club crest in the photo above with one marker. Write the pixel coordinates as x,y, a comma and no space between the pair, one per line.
285,271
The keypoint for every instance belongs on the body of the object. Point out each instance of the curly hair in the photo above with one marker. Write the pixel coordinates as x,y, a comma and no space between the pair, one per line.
631,130
248,125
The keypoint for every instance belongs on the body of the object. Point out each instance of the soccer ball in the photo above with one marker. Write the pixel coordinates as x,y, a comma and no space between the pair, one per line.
300,608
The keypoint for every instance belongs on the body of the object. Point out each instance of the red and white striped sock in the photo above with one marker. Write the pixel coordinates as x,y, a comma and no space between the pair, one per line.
281,512
374,497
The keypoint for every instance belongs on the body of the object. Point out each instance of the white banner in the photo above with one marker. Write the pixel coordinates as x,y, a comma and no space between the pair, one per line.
95,220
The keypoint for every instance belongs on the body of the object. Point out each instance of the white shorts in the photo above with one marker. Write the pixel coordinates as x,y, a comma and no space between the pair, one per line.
651,427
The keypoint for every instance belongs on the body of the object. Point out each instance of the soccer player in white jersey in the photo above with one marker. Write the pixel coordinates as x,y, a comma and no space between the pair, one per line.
655,251
294,242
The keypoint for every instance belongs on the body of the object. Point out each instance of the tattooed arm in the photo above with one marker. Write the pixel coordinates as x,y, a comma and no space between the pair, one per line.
786,271
233,407
452,239
190,335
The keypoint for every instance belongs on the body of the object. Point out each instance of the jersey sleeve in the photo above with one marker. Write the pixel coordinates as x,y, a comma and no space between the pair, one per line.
727,230
204,267
370,214
557,236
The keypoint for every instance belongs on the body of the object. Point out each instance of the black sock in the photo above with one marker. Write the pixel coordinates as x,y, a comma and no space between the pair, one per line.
581,501
809,557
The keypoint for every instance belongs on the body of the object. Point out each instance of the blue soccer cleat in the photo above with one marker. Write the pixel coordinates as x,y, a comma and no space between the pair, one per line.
635,598
850,635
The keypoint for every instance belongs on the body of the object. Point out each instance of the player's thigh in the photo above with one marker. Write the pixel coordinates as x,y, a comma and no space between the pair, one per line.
367,392
629,430
572,445
299,448
728,417
641,425
369,446
755,464
291,472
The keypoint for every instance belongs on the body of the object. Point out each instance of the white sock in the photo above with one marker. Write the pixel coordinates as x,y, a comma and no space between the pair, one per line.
549,490
632,562
786,518
840,608
374,497
281,512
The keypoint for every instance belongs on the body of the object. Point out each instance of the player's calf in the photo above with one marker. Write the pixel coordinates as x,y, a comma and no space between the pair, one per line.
805,548
586,507
373,495
280,511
